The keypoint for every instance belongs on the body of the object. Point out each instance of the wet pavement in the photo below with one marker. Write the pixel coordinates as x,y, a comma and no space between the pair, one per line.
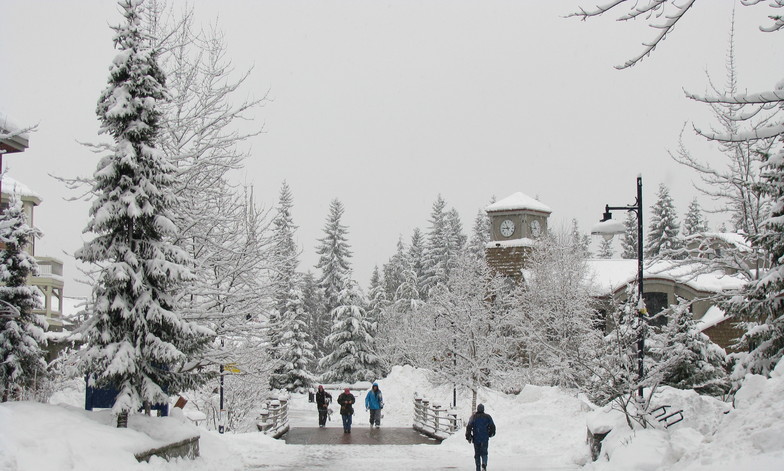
358,436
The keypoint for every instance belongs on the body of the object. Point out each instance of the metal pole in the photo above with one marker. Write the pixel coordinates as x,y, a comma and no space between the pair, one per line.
221,428
640,310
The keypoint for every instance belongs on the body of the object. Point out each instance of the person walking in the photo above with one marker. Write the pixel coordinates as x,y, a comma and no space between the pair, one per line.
374,402
346,401
323,398
479,430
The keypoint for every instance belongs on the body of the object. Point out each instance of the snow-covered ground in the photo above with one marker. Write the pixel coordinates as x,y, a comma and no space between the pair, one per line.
539,429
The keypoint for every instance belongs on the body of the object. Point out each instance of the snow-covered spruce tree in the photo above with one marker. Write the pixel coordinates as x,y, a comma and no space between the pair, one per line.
687,357
393,270
461,334
761,306
284,282
334,257
319,325
416,260
334,262
480,235
663,229
694,222
22,365
445,242
555,321
606,249
352,356
629,240
138,343
377,298
580,241
294,352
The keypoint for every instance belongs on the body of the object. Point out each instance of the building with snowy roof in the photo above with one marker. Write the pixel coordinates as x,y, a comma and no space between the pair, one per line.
515,223
50,277
518,221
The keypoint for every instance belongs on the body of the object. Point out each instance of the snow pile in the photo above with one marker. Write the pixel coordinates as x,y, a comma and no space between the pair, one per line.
713,436
37,436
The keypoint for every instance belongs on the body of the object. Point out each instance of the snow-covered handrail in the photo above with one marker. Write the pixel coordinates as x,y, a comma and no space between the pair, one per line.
433,420
273,419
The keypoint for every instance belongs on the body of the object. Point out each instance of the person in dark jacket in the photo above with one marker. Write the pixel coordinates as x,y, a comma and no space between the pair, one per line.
323,399
374,402
479,430
346,401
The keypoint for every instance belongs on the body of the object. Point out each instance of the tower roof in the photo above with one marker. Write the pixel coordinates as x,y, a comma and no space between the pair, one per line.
518,201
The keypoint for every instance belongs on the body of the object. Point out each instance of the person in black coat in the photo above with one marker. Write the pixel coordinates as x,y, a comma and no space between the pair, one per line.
346,401
479,430
323,399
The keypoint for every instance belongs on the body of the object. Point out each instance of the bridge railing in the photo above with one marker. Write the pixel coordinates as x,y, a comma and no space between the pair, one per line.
433,420
273,419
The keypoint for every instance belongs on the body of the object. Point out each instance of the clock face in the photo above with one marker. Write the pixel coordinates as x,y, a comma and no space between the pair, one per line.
536,228
507,227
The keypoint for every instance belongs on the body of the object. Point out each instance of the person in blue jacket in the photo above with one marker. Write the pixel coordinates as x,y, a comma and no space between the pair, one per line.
479,430
374,402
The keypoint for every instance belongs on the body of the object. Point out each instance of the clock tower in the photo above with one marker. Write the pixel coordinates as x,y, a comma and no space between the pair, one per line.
515,224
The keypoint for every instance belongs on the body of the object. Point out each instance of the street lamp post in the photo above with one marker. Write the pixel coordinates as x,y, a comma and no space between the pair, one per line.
607,228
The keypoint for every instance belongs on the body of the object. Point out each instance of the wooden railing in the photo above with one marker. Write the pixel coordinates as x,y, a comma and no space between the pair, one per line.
433,420
273,419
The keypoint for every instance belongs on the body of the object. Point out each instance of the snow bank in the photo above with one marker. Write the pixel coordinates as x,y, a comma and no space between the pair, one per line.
37,436
713,435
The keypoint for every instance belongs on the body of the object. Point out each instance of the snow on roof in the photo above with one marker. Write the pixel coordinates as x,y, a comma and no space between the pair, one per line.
714,315
518,201
522,242
11,186
735,239
610,275
8,127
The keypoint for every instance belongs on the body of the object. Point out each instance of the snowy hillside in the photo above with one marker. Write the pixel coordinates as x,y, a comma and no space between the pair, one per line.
539,428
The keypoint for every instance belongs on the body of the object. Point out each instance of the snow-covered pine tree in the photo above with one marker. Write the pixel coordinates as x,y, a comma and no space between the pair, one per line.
606,249
22,338
480,235
663,229
334,257
377,298
393,270
688,359
352,356
319,325
294,352
629,241
416,260
285,280
694,222
138,343
762,303
445,242
580,242
456,234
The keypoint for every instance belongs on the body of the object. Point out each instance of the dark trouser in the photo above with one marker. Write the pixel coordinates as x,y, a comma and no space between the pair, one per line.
375,417
480,454
322,416
346,422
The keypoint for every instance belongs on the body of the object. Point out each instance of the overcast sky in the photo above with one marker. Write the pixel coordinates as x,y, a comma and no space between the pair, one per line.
386,104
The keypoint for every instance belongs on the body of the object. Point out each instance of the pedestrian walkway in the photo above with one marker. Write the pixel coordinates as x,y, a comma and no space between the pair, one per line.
358,436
